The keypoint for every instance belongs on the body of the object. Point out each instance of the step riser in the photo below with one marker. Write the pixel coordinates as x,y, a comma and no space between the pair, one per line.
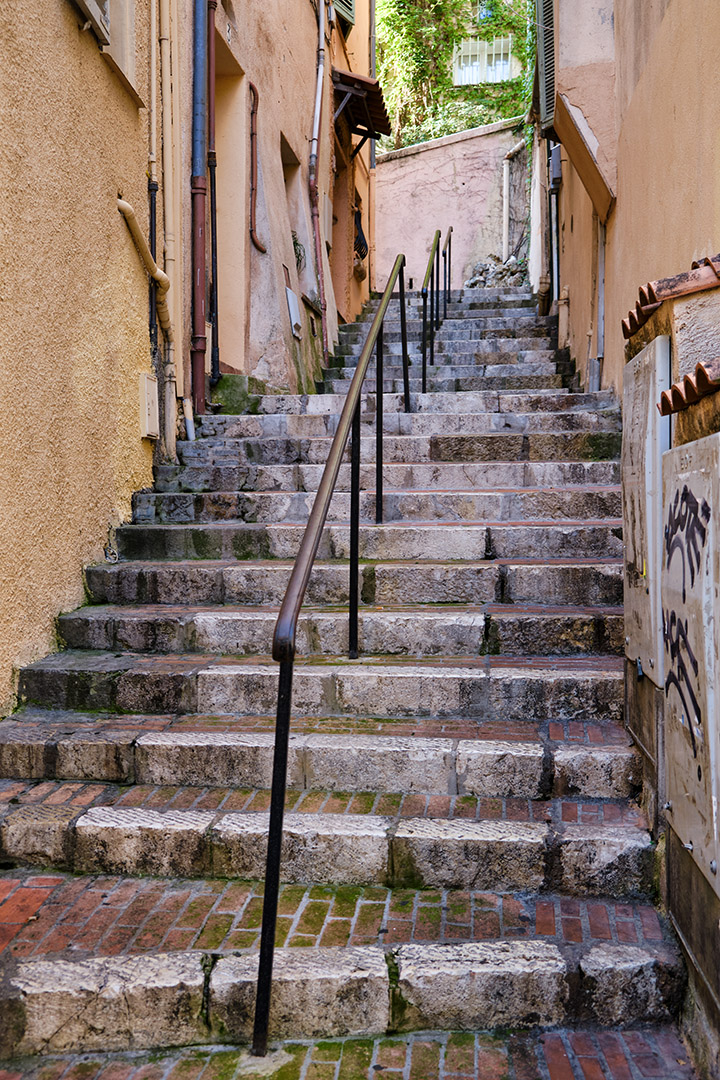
240,542
380,584
340,850
423,477
183,999
283,425
411,633
247,689
325,763
442,384
271,507
558,446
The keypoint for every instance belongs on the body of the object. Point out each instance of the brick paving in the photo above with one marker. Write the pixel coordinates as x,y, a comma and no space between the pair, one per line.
477,808
646,1054
62,915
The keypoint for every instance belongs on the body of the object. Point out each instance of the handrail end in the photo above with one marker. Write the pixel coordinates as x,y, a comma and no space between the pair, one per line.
283,650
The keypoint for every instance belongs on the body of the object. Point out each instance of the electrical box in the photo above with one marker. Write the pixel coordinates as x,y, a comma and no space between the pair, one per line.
646,436
294,310
149,412
690,613
556,168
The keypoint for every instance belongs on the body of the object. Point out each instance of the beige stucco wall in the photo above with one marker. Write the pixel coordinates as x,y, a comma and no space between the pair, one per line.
668,198
73,316
455,180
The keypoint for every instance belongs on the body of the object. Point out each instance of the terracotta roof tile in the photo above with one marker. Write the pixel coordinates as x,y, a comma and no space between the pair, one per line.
703,275
691,389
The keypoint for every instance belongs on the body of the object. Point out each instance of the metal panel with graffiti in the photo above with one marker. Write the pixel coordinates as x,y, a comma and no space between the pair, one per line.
645,436
690,582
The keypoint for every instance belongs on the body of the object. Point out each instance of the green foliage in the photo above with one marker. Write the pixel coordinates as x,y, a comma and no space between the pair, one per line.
416,40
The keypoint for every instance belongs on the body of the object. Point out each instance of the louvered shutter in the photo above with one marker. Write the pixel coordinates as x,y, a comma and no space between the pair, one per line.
98,14
346,9
546,61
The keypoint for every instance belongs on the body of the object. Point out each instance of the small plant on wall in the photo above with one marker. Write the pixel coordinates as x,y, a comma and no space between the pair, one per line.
299,251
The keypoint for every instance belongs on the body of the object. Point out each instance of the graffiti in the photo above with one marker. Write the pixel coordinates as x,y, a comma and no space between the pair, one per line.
675,636
686,533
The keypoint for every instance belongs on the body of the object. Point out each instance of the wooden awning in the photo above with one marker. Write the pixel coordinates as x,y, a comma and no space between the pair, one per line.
359,98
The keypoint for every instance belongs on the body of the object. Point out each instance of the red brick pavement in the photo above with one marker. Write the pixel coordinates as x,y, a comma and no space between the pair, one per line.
648,1054
42,915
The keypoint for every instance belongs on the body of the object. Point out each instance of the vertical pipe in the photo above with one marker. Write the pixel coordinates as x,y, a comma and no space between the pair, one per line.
312,180
379,391
212,168
169,218
506,210
403,334
152,177
272,872
424,342
198,187
354,534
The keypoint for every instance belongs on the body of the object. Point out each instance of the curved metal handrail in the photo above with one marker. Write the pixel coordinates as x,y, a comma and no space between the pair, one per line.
286,625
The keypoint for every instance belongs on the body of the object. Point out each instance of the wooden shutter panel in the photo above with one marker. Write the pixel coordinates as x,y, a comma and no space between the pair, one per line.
546,62
346,9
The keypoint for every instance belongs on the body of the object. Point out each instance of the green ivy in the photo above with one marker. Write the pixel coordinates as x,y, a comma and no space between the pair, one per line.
416,40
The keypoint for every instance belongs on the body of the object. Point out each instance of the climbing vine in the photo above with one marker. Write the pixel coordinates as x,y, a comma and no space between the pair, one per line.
416,42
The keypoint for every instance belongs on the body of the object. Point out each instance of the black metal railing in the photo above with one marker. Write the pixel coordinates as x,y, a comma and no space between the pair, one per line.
286,626
431,297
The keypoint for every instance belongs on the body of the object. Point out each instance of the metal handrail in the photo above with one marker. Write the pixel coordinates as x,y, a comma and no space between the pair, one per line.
286,625
431,282
447,268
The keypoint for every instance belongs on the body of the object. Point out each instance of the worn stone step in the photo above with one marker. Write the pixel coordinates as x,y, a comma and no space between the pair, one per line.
595,582
428,1056
494,687
173,999
281,425
397,540
406,631
599,445
437,383
492,853
191,751
445,476
272,506
212,424
469,365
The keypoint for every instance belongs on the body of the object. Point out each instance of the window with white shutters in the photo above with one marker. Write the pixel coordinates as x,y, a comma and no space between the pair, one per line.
477,61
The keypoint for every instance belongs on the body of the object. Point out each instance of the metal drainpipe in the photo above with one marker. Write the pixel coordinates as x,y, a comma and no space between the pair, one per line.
152,179
254,103
312,179
212,166
198,188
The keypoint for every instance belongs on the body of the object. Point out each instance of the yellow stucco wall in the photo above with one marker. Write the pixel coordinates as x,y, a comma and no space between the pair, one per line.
73,315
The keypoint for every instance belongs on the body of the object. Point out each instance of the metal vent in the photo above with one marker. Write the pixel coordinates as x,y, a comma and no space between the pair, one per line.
346,10
546,61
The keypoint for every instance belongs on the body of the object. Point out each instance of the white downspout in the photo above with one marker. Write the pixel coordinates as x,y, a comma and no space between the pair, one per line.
506,198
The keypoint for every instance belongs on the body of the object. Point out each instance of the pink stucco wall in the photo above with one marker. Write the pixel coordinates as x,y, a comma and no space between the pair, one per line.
455,180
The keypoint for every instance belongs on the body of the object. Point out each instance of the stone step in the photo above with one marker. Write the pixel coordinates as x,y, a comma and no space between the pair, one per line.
600,445
470,402
595,582
467,365
546,852
491,688
180,998
282,425
629,1051
416,540
274,506
445,476
37,744
405,631
438,383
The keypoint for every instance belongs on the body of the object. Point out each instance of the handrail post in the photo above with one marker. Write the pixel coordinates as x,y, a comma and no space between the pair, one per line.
437,287
432,314
403,334
424,342
379,382
354,533
450,262
272,872
445,280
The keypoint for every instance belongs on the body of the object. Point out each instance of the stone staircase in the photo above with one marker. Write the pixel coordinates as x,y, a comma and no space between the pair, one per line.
468,875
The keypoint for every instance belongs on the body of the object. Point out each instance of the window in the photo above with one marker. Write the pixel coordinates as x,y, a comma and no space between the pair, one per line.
546,62
346,10
98,15
113,24
476,61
